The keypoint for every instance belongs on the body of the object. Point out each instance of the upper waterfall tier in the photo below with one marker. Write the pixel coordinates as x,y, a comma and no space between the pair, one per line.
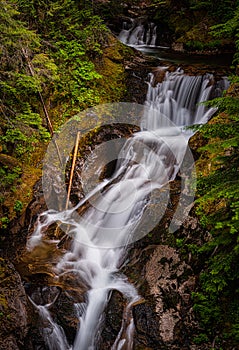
180,98
137,33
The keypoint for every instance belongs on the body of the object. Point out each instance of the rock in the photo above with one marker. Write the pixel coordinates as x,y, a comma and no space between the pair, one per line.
166,278
178,47
9,343
147,327
113,320
159,74
171,282
66,314
14,308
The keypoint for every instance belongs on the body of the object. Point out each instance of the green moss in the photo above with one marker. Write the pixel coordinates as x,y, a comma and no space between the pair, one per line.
77,64
112,86
3,276
200,339
3,301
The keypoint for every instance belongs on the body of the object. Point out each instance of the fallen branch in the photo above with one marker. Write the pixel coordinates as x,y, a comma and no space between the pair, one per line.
50,127
64,238
72,169
39,93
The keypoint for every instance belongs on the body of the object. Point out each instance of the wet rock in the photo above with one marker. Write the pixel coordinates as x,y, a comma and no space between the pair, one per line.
9,343
165,277
171,282
113,319
137,73
14,242
73,281
14,308
93,163
178,47
159,74
147,327
42,295
66,313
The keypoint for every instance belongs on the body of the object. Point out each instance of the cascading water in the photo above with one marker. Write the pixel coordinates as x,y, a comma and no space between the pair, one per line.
179,97
148,160
138,34
52,333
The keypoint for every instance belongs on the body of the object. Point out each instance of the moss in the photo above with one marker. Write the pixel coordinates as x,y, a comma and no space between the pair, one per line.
112,86
22,189
198,38
112,83
3,276
3,302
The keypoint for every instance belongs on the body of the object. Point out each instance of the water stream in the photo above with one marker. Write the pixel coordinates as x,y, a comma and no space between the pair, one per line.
145,37
148,160
138,34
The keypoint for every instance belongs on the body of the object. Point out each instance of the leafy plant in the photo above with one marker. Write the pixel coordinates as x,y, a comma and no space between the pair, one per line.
9,176
18,206
218,209
4,221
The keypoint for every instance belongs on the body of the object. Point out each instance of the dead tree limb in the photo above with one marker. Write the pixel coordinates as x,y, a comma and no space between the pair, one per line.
39,93
50,127
65,237
72,168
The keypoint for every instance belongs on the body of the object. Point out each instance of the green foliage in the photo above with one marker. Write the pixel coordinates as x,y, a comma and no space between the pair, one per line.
179,242
72,37
49,51
188,21
4,221
9,176
21,127
201,338
194,45
229,29
79,73
46,47
209,310
18,206
218,209
14,35
221,10
24,132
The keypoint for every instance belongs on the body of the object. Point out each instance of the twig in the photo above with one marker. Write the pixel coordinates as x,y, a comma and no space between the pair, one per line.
39,93
63,239
50,127
72,169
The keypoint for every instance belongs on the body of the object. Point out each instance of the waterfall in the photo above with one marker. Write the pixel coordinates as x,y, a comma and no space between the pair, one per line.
179,97
147,161
52,333
138,34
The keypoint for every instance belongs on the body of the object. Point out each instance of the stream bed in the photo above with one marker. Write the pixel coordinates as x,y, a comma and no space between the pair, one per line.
79,254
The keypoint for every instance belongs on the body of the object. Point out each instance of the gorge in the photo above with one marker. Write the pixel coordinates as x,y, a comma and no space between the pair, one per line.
123,242
148,161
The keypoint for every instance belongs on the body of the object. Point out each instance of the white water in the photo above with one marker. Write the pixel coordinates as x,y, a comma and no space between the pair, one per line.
180,98
148,160
138,34
53,334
